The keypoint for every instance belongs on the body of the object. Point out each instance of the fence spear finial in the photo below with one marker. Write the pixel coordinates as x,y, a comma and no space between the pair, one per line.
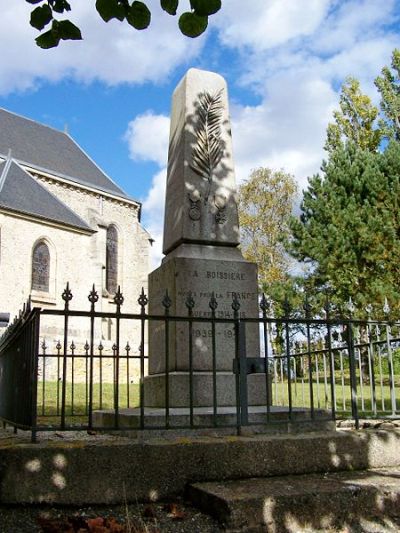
93,296
119,298
350,306
143,301
386,307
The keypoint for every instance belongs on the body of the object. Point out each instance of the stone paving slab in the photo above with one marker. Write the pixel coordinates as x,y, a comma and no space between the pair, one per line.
277,420
313,502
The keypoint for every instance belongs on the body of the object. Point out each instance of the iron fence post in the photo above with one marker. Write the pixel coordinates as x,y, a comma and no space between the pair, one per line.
167,302
371,363
307,309
142,301
34,354
264,307
236,307
391,371
118,300
93,298
328,340
67,297
213,306
353,377
190,303
244,407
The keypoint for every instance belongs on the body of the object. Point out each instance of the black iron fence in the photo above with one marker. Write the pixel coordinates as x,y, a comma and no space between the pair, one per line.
309,369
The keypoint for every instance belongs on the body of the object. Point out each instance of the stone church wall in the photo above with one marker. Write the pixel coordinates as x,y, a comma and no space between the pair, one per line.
79,259
100,211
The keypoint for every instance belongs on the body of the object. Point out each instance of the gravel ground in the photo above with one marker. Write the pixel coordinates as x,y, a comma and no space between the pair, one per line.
172,517
176,516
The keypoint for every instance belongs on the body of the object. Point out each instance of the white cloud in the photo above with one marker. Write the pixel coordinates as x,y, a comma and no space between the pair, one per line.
293,139
153,209
112,53
363,61
262,25
147,138
157,193
352,21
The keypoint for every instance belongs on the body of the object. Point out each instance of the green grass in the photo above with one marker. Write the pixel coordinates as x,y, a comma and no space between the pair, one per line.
76,413
301,395
76,400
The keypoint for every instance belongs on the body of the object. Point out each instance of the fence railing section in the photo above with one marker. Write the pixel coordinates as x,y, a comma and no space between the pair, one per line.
332,367
18,370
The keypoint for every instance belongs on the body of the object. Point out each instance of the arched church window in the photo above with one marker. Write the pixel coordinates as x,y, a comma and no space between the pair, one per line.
112,260
41,267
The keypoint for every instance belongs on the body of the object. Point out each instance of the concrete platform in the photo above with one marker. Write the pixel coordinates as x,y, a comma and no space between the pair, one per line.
317,502
77,469
278,421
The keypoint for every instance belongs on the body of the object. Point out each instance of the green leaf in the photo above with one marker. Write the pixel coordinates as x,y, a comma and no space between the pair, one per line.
50,39
41,16
192,25
139,16
205,8
59,6
110,9
170,6
68,31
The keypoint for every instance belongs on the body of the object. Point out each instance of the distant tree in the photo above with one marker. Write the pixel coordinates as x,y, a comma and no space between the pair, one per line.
388,85
356,120
191,23
349,229
265,207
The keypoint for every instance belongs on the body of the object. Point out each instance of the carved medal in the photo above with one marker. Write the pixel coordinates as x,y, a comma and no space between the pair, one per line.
194,209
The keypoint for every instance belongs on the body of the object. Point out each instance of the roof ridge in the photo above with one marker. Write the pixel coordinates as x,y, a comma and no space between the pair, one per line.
81,221
6,168
73,180
33,120
75,156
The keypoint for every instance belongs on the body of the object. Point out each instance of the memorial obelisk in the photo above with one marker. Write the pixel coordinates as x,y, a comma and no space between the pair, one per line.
202,258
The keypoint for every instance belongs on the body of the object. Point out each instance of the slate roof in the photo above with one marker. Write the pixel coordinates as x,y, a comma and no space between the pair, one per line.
48,149
21,193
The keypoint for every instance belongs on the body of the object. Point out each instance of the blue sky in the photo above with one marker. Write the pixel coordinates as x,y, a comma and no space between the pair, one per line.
284,61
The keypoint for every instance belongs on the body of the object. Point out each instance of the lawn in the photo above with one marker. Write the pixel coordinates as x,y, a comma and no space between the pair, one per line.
321,390
76,400
49,411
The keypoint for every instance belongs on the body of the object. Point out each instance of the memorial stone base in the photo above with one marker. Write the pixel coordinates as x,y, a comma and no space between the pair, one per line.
201,272
203,389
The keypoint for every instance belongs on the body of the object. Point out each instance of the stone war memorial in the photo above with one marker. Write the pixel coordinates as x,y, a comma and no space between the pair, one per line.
202,260
218,415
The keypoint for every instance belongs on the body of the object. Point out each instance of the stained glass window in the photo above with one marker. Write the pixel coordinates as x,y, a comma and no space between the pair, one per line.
40,267
112,260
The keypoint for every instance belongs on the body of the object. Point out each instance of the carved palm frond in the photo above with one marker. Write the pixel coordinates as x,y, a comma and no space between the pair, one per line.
208,150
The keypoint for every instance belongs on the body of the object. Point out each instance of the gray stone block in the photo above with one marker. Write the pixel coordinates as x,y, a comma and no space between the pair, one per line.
202,278
203,389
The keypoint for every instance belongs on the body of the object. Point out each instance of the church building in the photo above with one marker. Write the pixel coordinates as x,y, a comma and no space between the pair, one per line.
62,219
